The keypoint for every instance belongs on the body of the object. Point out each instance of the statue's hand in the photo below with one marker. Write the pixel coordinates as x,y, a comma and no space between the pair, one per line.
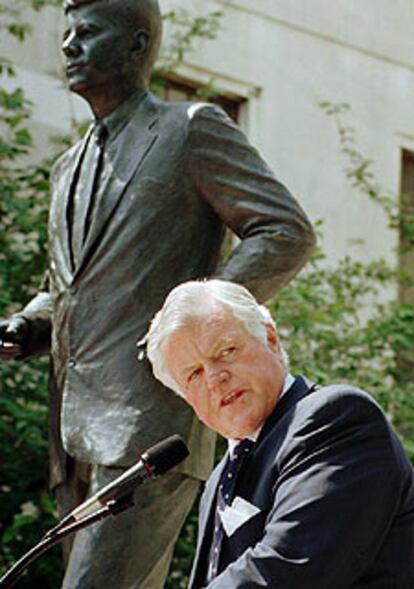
13,337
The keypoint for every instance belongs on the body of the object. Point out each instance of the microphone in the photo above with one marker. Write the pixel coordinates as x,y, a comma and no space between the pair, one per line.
154,462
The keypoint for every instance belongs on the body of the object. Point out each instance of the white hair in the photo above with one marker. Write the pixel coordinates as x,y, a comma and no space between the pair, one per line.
190,301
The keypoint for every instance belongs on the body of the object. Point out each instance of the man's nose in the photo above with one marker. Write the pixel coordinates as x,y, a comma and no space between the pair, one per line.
217,378
70,46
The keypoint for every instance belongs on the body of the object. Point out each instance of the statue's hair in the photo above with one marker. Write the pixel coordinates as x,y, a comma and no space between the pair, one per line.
72,4
193,300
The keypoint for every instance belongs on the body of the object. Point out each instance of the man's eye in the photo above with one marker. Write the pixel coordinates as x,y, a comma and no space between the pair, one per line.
194,374
227,351
84,32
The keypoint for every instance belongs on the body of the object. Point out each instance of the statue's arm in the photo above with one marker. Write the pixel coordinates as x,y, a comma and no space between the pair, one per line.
38,314
27,333
276,236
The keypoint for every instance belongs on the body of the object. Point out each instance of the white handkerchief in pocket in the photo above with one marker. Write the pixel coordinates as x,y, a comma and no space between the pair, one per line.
237,514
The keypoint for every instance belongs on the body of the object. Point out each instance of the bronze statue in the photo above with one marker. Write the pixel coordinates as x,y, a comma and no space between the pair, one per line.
139,205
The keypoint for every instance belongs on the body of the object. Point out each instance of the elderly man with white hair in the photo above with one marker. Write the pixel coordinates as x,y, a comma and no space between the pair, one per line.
315,490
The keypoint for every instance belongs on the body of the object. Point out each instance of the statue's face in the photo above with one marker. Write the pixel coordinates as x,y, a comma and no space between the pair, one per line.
99,50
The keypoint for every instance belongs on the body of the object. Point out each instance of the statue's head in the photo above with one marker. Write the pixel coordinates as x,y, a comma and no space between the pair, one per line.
110,45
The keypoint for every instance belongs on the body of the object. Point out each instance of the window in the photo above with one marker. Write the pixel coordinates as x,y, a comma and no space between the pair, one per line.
172,88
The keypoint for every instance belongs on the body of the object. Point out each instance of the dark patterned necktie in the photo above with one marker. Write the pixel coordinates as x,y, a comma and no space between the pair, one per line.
86,188
225,495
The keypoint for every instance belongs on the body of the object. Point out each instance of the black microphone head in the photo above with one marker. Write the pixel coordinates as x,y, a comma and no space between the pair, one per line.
166,454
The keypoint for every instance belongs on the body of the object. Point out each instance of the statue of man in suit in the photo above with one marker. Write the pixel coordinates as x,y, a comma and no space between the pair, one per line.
315,490
138,205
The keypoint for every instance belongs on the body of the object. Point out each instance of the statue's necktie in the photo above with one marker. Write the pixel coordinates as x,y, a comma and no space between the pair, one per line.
86,188
225,495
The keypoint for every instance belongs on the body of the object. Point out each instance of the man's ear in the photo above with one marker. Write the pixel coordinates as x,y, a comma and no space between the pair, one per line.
140,42
272,337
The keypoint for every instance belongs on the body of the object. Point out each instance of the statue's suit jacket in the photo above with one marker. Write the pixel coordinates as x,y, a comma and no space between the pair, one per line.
173,178
335,493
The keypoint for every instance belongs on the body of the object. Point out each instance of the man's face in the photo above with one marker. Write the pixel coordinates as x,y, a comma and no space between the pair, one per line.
230,378
98,49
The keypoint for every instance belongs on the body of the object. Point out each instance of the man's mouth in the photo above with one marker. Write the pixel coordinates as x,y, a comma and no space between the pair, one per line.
231,398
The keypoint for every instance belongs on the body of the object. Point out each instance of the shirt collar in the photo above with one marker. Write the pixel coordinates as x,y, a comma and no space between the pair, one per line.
289,380
116,121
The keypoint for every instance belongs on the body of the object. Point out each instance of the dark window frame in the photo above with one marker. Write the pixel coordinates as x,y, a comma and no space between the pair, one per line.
197,92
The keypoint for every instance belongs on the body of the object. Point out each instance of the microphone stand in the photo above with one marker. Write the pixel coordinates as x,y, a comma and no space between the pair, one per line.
112,507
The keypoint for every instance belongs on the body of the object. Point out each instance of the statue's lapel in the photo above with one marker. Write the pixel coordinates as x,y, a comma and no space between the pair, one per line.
59,230
123,157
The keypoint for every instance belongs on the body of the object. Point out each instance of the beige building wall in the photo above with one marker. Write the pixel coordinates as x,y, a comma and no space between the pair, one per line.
285,57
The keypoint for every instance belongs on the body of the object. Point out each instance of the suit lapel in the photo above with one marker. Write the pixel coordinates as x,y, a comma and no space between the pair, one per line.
299,389
123,157
59,217
205,525
211,496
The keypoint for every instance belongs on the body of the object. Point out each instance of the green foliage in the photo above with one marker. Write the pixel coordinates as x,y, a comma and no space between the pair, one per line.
10,15
23,389
184,553
358,170
334,320
329,339
26,509
185,29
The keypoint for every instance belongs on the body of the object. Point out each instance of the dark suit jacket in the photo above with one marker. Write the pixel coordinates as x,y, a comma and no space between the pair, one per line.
336,497
175,176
